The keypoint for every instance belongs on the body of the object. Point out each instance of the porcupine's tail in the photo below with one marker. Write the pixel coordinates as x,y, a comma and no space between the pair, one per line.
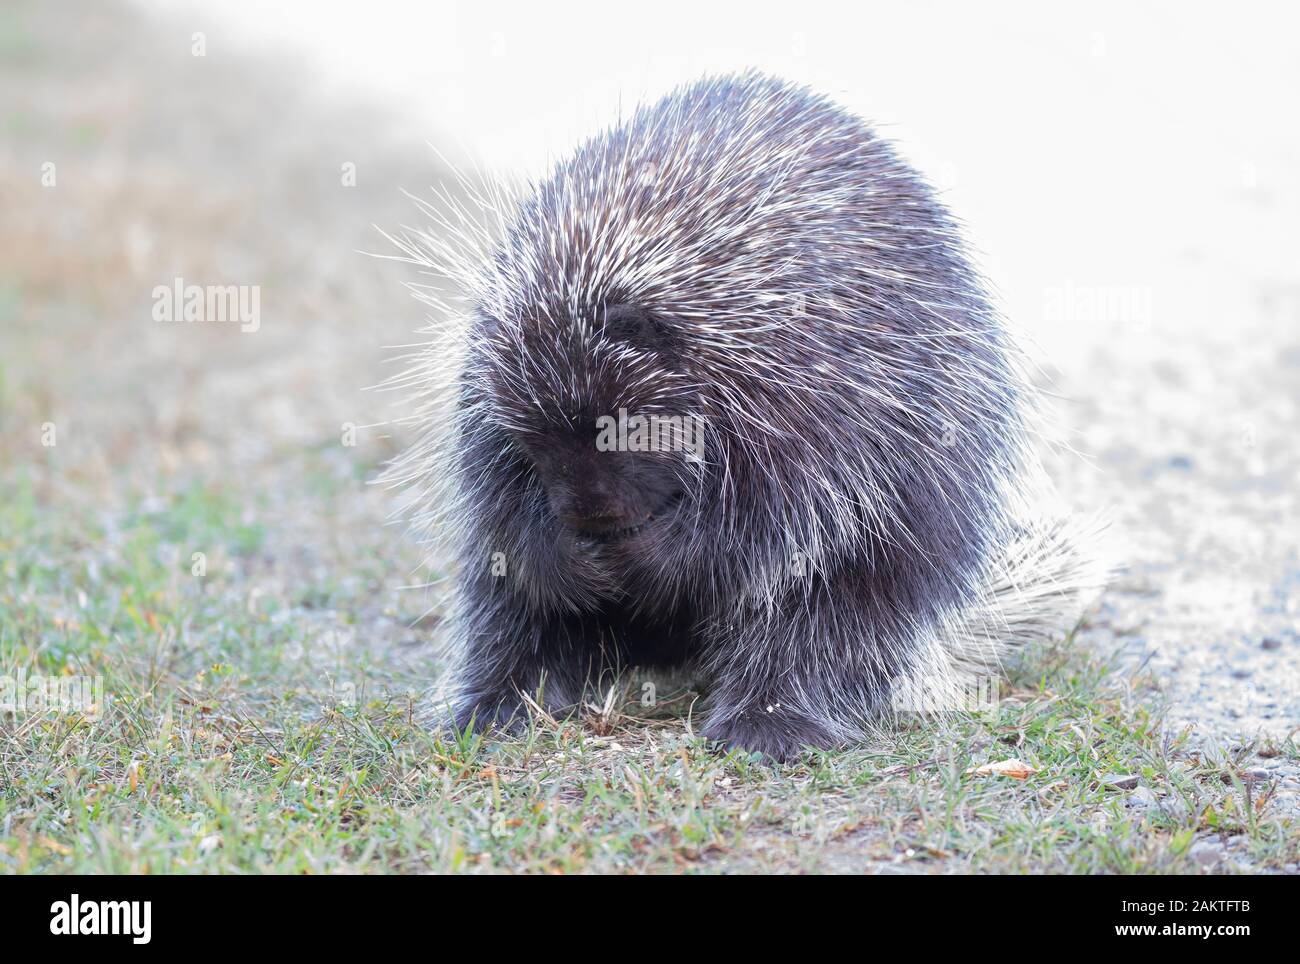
1036,590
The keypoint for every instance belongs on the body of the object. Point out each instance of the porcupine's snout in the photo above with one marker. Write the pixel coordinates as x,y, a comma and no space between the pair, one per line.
604,495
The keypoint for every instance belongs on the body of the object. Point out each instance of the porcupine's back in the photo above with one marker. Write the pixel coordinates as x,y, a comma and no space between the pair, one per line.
863,402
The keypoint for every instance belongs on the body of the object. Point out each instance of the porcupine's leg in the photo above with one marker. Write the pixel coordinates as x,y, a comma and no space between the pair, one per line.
802,674
507,650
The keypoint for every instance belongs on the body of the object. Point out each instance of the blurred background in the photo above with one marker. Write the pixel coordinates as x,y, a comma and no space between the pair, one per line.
1129,174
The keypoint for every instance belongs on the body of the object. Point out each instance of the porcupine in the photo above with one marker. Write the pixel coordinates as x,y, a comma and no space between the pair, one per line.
857,529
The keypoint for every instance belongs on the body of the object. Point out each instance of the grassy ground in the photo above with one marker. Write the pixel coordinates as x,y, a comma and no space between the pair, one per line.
200,537
260,731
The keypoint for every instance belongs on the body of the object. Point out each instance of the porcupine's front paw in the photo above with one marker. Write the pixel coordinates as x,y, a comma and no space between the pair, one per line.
491,711
778,733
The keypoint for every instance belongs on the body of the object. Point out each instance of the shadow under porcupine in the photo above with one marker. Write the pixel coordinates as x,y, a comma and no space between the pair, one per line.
727,394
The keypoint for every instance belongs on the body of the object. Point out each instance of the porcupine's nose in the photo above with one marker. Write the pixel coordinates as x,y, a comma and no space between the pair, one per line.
597,524
593,512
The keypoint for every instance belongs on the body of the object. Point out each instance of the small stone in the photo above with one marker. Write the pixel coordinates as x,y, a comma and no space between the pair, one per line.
1121,781
1141,799
1207,855
1256,775
1271,643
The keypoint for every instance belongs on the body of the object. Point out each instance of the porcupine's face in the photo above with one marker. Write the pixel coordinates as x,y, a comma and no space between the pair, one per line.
597,418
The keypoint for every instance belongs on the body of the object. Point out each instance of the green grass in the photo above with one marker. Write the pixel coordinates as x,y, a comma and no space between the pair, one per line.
271,733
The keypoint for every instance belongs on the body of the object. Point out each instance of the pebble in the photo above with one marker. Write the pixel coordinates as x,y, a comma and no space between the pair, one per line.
1142,798
1207,855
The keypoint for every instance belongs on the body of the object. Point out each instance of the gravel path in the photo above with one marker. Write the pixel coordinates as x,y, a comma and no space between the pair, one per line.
1193,431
